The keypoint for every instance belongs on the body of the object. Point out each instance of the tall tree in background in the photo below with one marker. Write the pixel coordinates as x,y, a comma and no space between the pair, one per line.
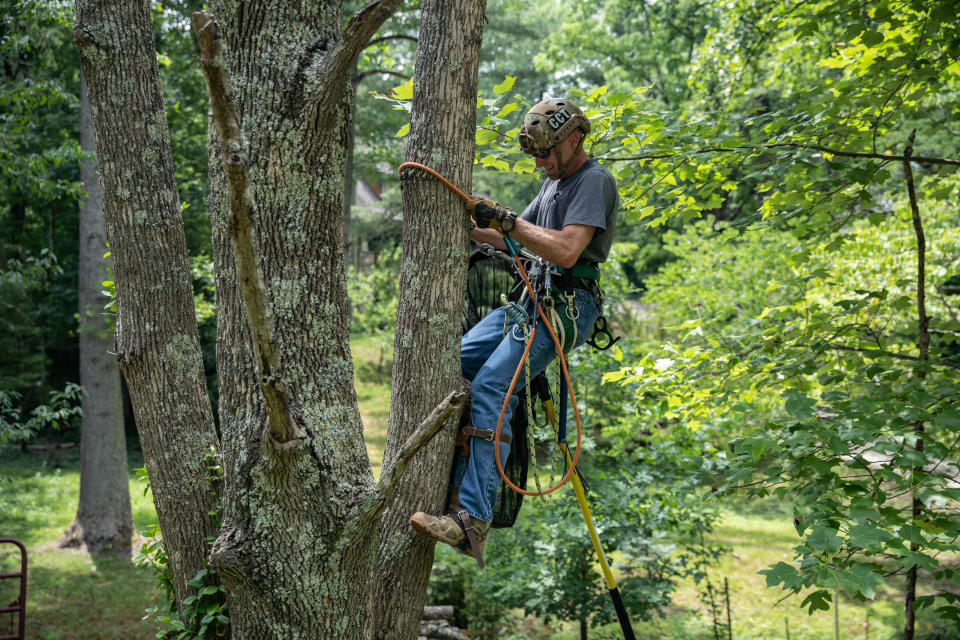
103,514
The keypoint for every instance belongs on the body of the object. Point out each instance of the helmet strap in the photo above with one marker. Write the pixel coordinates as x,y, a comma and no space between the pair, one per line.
562,166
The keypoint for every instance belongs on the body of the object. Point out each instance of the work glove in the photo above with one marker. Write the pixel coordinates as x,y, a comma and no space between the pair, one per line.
489,214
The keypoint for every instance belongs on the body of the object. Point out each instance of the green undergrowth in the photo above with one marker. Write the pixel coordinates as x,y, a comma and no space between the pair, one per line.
758,538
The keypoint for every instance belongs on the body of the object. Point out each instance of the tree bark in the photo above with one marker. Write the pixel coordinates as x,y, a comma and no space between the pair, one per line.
432,281
298,541
103,516
157,344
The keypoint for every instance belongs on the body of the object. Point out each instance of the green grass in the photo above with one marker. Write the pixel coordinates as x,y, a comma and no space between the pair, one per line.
373,359
70,594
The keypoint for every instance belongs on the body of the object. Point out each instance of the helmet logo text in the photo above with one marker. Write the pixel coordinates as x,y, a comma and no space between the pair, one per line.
558,119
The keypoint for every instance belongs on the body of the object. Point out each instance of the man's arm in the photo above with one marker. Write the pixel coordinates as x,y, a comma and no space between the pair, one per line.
561,247
488,236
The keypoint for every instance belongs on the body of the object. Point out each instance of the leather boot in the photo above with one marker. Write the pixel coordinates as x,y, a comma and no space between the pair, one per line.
456,529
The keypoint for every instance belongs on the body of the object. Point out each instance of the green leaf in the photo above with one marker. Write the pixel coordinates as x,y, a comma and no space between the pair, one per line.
508,109
864,535
871,38
948,419
403,92
596,94
817,601
497,163
797,404
860,579
783,573
506,85
484,136
824,539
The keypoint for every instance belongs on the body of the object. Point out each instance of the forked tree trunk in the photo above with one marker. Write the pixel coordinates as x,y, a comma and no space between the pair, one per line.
301,512
432,282
298,545
103,516
157,345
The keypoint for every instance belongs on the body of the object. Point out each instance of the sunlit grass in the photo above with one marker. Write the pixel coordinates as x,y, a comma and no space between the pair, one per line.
70,594
373,358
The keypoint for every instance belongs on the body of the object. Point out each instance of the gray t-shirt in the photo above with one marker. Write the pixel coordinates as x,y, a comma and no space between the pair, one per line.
587,197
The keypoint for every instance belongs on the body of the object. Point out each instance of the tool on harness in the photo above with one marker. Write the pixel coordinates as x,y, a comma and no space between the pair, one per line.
515,312
601,331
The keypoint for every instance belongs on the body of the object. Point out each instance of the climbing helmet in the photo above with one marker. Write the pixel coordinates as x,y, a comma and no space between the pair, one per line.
548,122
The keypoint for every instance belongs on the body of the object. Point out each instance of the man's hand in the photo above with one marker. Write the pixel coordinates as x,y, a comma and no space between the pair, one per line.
491,215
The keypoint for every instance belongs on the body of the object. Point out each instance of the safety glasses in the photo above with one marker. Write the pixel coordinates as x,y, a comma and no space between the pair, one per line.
542,154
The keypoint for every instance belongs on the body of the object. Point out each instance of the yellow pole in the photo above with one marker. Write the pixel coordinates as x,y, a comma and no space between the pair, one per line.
625,625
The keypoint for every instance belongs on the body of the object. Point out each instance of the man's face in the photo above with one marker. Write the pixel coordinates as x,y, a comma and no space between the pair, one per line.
551,164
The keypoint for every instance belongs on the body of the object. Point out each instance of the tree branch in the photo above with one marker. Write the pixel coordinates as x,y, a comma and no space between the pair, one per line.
324,73
923,345
236,163
796,145
878,353
372,72
381,497
395,36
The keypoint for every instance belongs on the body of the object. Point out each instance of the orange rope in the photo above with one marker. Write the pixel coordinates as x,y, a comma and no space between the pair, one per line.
423,167
556,342
566,374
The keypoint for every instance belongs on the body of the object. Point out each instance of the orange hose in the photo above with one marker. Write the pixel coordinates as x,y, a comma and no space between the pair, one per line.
560,357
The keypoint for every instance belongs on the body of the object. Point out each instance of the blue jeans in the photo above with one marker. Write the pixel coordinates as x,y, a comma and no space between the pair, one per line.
488,360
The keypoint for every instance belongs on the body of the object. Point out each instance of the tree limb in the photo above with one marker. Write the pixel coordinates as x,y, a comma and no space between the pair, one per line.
325,72
395,36
389,480
372,72
796,145
252,286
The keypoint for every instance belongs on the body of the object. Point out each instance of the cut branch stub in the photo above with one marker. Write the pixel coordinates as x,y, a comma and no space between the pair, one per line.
442,414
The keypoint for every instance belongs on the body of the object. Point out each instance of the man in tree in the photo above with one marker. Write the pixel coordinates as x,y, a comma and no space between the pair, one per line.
570,224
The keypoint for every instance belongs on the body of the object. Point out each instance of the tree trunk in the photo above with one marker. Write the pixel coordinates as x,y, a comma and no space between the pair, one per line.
103,514
923,347
290,552
298,541
157,344
297,547
432,283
